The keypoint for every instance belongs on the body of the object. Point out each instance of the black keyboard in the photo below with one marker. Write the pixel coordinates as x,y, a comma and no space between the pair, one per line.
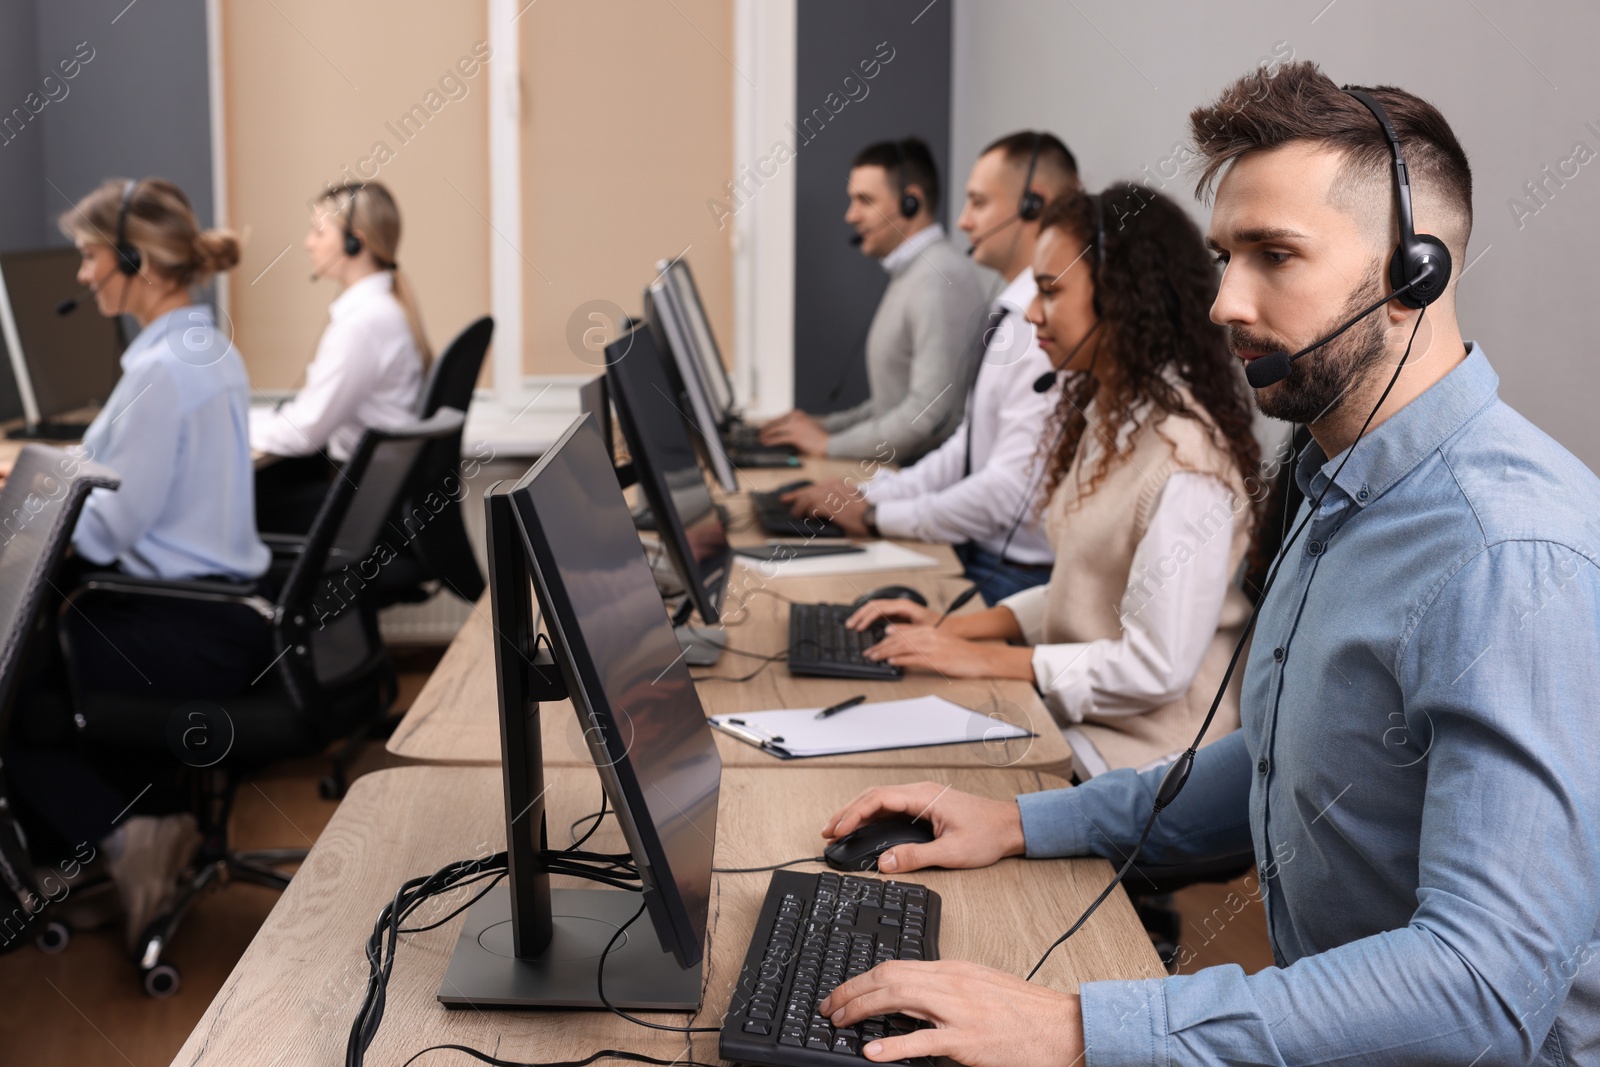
821,644
762,458
747,438
815,932
773,515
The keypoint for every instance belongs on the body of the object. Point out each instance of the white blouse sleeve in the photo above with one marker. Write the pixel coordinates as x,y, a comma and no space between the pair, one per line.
1167,623
338,379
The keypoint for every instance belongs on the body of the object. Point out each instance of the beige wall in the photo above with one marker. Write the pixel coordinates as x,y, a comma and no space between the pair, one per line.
627,132
311,89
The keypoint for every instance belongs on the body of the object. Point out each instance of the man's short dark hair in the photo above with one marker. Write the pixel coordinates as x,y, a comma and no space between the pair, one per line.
1057,165
908,161
1303,104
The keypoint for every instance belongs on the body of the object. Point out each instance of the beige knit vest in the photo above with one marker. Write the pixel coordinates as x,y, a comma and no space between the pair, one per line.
1095,535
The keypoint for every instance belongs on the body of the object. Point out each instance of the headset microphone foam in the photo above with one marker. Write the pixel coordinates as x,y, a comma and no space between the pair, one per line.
1043,382
1274,367
68,306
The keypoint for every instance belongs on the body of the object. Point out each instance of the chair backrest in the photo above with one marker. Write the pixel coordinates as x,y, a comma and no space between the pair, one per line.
455,373
329,619
39,506
441,548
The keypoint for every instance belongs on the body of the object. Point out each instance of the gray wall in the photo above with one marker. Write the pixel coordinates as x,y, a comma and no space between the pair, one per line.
1117,80
836,287
140,106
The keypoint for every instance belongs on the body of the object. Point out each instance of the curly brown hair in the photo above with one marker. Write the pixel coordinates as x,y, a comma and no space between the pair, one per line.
1153,290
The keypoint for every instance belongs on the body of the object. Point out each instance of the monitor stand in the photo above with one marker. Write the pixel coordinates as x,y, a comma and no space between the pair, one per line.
702,645
484,972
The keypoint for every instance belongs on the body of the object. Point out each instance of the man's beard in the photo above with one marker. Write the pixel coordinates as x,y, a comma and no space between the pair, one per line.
1320,380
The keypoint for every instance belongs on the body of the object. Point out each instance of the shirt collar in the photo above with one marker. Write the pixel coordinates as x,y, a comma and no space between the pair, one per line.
1019,292
1404,439
911,247
360,293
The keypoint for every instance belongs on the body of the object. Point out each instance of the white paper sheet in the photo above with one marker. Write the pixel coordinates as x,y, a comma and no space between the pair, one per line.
887,724
879,556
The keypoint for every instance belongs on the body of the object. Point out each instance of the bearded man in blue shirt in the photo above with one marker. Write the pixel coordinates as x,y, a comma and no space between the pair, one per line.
1414,774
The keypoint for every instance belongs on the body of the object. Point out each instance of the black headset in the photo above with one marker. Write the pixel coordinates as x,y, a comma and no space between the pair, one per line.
910,203
1421,263
1097,202
1031,206
129,258
352,242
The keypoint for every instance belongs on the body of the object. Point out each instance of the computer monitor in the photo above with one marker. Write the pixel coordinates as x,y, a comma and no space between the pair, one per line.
664,462
564,531
61,363
669,325
594,398
712,370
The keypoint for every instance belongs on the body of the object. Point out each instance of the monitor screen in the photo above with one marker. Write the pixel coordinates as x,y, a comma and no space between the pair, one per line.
668,470
712,370
626,677
72,361
669,325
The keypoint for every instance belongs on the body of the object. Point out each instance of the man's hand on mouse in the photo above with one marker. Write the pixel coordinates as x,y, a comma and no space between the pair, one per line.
837,500
798,430
981,1016
969,831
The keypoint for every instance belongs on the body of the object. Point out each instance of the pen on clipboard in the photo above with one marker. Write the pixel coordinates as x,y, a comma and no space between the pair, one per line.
744,731
843,705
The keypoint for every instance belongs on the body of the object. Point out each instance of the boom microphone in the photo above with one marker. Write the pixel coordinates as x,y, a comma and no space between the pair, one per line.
68,306
990,232
1274,367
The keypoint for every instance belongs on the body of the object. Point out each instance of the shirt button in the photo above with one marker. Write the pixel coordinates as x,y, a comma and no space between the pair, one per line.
1363,493
1278,654
1314,547
1261,765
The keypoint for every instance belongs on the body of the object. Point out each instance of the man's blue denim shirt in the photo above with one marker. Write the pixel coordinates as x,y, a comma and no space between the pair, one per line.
1416,772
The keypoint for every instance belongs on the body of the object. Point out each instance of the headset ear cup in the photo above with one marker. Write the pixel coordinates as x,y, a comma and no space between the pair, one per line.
129,259
1030,207
910,204
352,245
1409,260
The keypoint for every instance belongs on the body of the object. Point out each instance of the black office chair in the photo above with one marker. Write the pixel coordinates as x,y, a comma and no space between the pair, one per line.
330,680
438,551
39,507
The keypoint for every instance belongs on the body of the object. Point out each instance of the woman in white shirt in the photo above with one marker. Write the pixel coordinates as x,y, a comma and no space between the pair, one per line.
369,364
1154,496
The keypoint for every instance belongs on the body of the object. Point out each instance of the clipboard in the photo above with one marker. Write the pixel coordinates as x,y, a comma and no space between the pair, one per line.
918,722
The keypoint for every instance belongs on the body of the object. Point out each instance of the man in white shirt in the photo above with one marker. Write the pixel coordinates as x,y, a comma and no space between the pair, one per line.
978,490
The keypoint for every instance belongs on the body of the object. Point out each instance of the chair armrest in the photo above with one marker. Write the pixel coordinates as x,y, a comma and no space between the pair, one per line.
176,589
284,544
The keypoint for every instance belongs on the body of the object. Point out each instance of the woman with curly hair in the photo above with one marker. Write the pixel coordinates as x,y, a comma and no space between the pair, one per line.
1149,496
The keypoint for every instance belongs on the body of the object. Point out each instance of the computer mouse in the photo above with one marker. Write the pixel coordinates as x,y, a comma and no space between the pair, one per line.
859,851
890,592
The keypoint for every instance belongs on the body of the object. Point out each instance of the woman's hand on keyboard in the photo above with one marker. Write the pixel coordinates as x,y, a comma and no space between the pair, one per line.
935,649
981,1016
969,831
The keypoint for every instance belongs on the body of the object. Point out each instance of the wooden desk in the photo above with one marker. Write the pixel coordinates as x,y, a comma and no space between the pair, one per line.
455,718
291,998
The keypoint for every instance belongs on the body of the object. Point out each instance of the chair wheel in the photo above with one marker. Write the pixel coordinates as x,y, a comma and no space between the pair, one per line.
330,788
53,938
161,981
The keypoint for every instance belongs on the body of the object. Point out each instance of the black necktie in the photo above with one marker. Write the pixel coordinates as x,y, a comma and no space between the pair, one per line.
996,316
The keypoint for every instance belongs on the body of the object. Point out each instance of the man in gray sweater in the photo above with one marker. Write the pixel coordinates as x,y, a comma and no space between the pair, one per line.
925,338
